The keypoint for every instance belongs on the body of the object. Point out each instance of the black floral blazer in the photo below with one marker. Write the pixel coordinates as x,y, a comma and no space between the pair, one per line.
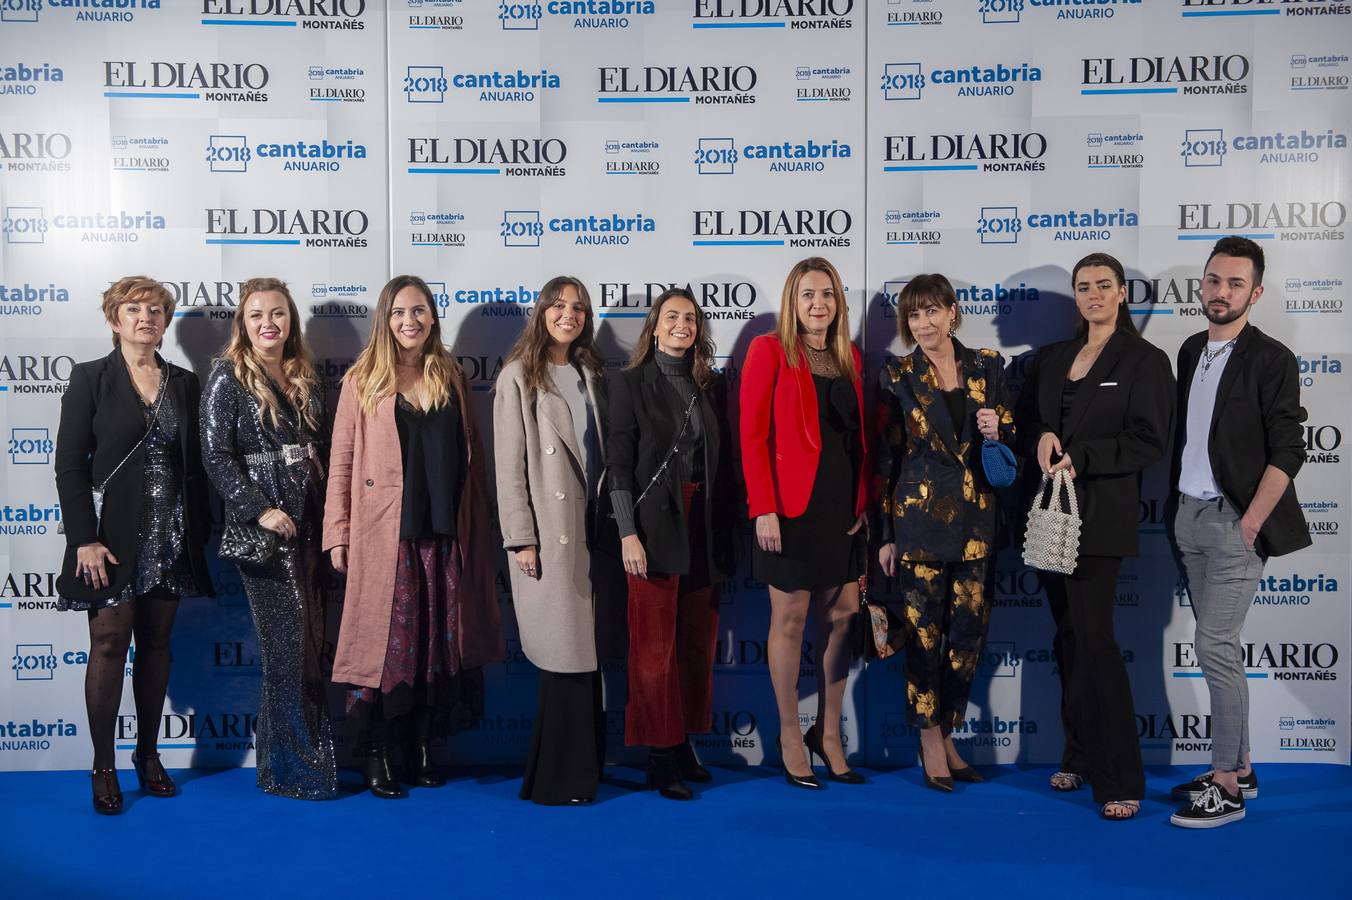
936,503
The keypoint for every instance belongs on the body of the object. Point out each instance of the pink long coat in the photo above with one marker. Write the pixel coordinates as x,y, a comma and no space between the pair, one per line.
365,497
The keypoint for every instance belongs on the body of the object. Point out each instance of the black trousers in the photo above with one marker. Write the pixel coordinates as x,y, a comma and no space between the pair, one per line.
568,745
1097,712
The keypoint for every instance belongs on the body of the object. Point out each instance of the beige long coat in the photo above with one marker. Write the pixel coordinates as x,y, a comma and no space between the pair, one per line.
365,496
542,502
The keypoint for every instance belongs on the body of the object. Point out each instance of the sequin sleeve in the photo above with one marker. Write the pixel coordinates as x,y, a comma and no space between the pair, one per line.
220,447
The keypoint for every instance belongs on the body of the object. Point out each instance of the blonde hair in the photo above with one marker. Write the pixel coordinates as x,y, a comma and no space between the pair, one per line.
135,289
248,367
837,333
373,375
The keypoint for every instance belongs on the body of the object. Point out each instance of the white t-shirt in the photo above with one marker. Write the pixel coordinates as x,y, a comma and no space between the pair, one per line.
1196,478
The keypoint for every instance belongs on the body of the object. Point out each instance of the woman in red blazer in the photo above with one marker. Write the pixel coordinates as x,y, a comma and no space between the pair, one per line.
805,459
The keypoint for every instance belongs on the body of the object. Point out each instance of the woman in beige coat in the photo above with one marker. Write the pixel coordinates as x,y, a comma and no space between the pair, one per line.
407,521
548,412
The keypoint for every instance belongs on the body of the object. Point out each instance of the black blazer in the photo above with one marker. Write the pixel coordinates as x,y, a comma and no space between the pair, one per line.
1259,394
100,421
936,503
644,417
1119,424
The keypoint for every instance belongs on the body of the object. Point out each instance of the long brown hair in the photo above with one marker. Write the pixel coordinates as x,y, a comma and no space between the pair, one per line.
702,364
532,345
373,376
297,364
837,334
1124,321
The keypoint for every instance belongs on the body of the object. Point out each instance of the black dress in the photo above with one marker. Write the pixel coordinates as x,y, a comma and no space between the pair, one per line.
817,552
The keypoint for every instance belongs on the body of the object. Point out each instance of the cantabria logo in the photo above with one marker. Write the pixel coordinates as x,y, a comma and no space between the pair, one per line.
429,84
1115,150
1313,295
164,80
719,156
293,227
715,85
30,225
1188,75
335,84
1207,8
1208,147
1301,220
1319,72
771,228
1293,590
912,226
233,153
511,157
524,228
908,80
34,734
325,15
27,79
795,14
526,15
1002,224
29,519
990,152
24,299
98,11
34,151
1008,12
721,300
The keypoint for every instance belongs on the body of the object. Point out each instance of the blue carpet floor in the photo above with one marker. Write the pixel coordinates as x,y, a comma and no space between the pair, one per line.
747,835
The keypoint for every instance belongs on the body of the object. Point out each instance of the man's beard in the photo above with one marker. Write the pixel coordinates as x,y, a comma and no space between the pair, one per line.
1225,318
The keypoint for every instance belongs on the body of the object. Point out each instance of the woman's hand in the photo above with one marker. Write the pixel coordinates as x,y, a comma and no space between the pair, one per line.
276,521
91,565
859,523
1047,445
767,533
528,561
887,559
338,556
988,423
634,556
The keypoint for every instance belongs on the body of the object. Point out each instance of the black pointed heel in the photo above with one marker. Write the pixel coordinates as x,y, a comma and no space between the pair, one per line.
967,775
807,782
812,740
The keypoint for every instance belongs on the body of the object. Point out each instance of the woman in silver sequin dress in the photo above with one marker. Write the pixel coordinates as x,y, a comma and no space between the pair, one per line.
127,452
261,419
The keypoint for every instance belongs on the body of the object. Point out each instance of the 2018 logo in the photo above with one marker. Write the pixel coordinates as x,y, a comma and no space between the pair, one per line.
232,153
30,446
999,225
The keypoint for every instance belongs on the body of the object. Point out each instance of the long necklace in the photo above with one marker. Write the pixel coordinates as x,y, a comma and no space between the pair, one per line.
1209,356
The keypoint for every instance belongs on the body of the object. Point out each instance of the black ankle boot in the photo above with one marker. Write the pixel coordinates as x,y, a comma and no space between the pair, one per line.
689,764
380,779
665,775
422,771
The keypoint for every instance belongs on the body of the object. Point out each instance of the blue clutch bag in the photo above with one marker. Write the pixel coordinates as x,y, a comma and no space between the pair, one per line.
999,464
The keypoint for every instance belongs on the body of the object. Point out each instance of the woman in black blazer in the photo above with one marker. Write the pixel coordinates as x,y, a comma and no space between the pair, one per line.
1100,405
129,426
667,456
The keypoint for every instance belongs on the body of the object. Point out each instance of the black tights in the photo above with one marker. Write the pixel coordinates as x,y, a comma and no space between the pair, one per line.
151,619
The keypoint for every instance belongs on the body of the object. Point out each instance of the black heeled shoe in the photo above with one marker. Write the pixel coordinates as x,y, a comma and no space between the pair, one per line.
109,801
664,775
938,782
812,740
380,780
156,784
424,771
689,764
967,774
808,782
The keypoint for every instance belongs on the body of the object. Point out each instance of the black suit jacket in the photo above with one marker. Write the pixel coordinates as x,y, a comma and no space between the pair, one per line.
644,418
100,422
1119,423
1258,395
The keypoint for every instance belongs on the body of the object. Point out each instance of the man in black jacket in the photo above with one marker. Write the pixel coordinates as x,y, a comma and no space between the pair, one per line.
1236,503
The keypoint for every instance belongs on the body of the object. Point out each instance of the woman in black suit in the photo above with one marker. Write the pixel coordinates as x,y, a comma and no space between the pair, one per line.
667,452
128,432
1100,405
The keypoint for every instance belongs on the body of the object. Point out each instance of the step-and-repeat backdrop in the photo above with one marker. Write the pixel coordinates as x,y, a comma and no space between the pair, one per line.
487,146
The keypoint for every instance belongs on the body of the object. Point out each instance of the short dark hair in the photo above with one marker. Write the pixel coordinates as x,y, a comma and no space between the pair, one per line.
1234,245
919,292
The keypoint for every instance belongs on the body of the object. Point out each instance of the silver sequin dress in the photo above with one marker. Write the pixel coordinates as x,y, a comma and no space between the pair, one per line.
294,736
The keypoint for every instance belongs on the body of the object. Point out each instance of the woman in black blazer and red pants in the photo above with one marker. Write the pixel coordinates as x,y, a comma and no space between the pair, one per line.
1100,405
805,459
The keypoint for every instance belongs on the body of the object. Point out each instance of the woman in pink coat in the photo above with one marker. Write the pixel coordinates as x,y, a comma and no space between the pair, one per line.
407,521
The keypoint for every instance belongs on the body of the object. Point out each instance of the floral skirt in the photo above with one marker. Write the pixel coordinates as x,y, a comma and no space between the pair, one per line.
422,671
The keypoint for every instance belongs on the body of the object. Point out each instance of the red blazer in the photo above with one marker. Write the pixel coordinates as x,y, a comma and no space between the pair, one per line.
781,441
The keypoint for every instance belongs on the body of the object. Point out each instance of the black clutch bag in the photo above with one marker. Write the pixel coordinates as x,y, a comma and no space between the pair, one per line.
877,635
246,542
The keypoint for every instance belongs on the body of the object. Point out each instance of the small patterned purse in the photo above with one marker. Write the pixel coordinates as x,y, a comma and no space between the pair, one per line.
1052,540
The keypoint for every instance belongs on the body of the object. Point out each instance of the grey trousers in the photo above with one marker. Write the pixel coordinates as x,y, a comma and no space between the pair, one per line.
1222,576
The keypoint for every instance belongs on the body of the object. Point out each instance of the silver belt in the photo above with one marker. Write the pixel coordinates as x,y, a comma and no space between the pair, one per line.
289,454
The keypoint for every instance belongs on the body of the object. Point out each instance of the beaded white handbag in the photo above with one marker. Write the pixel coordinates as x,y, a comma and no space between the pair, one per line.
1052,540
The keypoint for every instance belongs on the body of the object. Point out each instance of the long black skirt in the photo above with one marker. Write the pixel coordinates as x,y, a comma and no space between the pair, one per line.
568,746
